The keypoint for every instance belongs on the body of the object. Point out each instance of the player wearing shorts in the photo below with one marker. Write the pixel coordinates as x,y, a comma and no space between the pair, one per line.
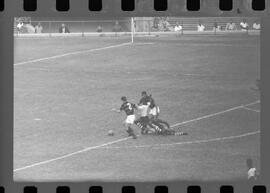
128,108
154,113
252,172
144,122
143,106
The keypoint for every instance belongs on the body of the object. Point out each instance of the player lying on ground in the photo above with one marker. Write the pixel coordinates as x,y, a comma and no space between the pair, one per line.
150,123
147,104
128,108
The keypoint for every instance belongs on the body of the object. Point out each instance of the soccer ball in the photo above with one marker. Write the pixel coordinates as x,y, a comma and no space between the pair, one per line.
110,133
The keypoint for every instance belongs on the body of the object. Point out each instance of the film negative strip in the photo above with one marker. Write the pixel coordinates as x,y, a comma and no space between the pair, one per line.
134,96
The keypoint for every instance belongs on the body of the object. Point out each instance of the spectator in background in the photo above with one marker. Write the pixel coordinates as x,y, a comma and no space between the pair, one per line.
155,23
256,25
29,28
117,27
230,26
99,29
178,27
64,29
19,26
200,27
38,28
216,27
233,26
160,25
244,25
166,24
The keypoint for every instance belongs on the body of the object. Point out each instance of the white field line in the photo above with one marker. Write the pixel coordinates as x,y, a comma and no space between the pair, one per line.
250,109
215,44
124,139
70,154
186,142
71,53
144,43
215,114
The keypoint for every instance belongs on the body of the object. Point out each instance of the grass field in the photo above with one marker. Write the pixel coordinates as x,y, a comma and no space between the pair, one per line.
65,88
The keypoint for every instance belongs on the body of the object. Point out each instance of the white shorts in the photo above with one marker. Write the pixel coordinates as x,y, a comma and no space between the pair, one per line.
130,119
154,111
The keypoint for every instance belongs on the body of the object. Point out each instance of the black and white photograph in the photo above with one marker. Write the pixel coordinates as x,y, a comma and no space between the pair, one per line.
136,99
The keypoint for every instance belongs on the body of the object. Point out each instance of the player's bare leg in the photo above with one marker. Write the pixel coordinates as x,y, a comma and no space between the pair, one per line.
142,123
130,131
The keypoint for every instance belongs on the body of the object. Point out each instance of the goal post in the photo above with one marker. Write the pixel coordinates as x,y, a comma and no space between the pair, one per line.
132,29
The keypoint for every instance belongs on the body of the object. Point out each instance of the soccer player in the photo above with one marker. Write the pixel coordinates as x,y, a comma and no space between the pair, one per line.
128,108
145,100
252,172
154,113
143,106
146,104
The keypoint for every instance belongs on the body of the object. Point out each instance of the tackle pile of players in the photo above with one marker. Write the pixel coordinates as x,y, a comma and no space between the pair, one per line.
149,121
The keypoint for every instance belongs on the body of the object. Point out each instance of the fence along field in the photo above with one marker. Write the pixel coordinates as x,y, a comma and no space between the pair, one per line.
144,25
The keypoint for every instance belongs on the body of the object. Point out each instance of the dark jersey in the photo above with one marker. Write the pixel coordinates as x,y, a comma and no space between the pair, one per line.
128,108
152,102
144,100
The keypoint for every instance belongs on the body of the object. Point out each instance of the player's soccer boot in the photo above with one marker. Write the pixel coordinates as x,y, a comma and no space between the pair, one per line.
131,133
143,131
137,122
134,136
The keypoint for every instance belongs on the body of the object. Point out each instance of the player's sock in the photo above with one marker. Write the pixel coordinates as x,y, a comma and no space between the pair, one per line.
131,132
138,123
159,128
143,130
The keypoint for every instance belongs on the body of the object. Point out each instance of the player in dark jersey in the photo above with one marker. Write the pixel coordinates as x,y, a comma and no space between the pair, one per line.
145,100
150,122
146,103
128,108
143,106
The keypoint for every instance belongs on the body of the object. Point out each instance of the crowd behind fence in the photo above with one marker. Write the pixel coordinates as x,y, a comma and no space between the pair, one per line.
145,26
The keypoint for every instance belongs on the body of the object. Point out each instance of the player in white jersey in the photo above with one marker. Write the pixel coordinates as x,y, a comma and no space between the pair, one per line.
147,108
143,106
252,172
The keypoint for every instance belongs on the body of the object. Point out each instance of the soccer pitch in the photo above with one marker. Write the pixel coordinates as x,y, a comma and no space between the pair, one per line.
65,88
